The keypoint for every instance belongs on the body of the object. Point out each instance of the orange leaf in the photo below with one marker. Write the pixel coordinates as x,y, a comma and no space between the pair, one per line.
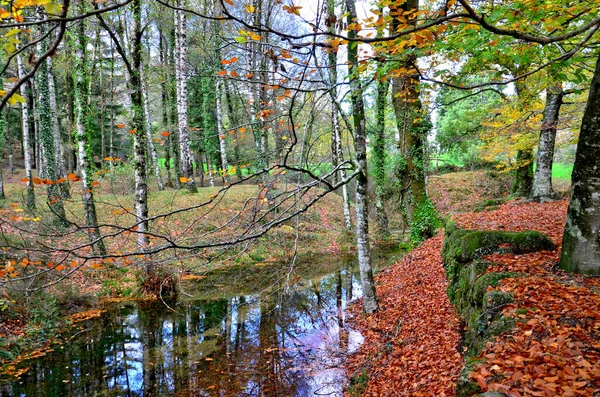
165,133
222,73
25,180
120,125
233,74
183,179
95,183
72,177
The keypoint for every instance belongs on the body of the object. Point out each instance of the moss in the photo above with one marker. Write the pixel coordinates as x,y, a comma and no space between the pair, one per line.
500,326
465,387
489,279
463,246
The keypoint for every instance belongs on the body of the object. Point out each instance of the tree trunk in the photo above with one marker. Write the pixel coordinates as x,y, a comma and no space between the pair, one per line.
139,146
233,123
379,153
61,168
337,156
524,173
30,197
148,125
581,241
412,129
182,103
221,132
360,147
46,138
166,105
83,137
542,180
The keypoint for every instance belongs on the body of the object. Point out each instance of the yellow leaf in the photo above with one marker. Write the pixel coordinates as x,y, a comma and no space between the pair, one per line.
183,179
250,8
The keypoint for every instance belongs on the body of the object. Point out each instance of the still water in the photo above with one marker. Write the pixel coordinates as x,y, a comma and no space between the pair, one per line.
289,341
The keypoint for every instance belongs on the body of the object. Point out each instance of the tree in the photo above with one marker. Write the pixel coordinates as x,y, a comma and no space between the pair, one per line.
360,147
83,135
581,240
181,76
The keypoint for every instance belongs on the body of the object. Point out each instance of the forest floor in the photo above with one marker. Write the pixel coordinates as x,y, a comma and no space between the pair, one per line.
413,344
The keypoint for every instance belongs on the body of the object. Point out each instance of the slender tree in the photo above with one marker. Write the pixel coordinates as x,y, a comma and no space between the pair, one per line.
30,196
542,179
360,147
337,155
181,77
83,134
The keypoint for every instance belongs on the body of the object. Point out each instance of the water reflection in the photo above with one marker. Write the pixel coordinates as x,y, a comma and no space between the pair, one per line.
289,343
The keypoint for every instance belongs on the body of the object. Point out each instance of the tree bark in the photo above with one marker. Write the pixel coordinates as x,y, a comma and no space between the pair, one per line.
581,241
30,196
337,155
61,168
542,179
148,125
412,130
221,132
182,103
379,153
360,147
83,137
46,139
139,146
524,173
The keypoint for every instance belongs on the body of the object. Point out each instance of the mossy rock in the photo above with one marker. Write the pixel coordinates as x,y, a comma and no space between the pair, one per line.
492,279
499,326
465,387
462,246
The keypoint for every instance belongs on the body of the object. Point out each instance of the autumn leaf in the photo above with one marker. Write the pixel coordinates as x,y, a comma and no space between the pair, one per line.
292,9
165,133
183,179
120,125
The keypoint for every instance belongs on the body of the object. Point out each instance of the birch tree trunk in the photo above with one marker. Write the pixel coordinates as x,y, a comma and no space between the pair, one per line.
30,196
222,144
360,147
61,168
166,106
542,179
581,241
139,146
182,103
337,155
83,136
233,123
148,125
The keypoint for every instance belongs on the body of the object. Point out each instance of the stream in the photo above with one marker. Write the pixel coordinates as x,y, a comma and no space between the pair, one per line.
288,341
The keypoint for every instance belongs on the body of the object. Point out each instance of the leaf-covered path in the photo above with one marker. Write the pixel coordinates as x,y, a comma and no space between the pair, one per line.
412,344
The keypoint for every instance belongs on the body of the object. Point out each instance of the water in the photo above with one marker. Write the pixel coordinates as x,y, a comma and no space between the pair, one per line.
290,341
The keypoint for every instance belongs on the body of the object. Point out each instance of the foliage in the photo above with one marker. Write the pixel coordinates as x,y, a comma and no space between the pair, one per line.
425,222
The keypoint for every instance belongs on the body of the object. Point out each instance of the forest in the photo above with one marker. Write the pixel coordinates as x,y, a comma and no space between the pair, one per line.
300,197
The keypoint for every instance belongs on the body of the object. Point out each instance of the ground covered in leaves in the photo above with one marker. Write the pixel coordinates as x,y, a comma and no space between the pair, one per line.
554,349
412,344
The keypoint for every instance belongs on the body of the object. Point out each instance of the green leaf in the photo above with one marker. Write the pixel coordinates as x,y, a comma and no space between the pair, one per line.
10,48
241,39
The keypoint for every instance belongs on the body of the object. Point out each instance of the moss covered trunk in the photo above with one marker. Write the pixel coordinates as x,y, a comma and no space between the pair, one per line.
581,241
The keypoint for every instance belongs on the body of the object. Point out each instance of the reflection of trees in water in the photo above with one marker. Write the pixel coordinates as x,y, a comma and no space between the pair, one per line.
260,346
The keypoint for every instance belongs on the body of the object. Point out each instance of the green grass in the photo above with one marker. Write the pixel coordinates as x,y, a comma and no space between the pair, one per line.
562,171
